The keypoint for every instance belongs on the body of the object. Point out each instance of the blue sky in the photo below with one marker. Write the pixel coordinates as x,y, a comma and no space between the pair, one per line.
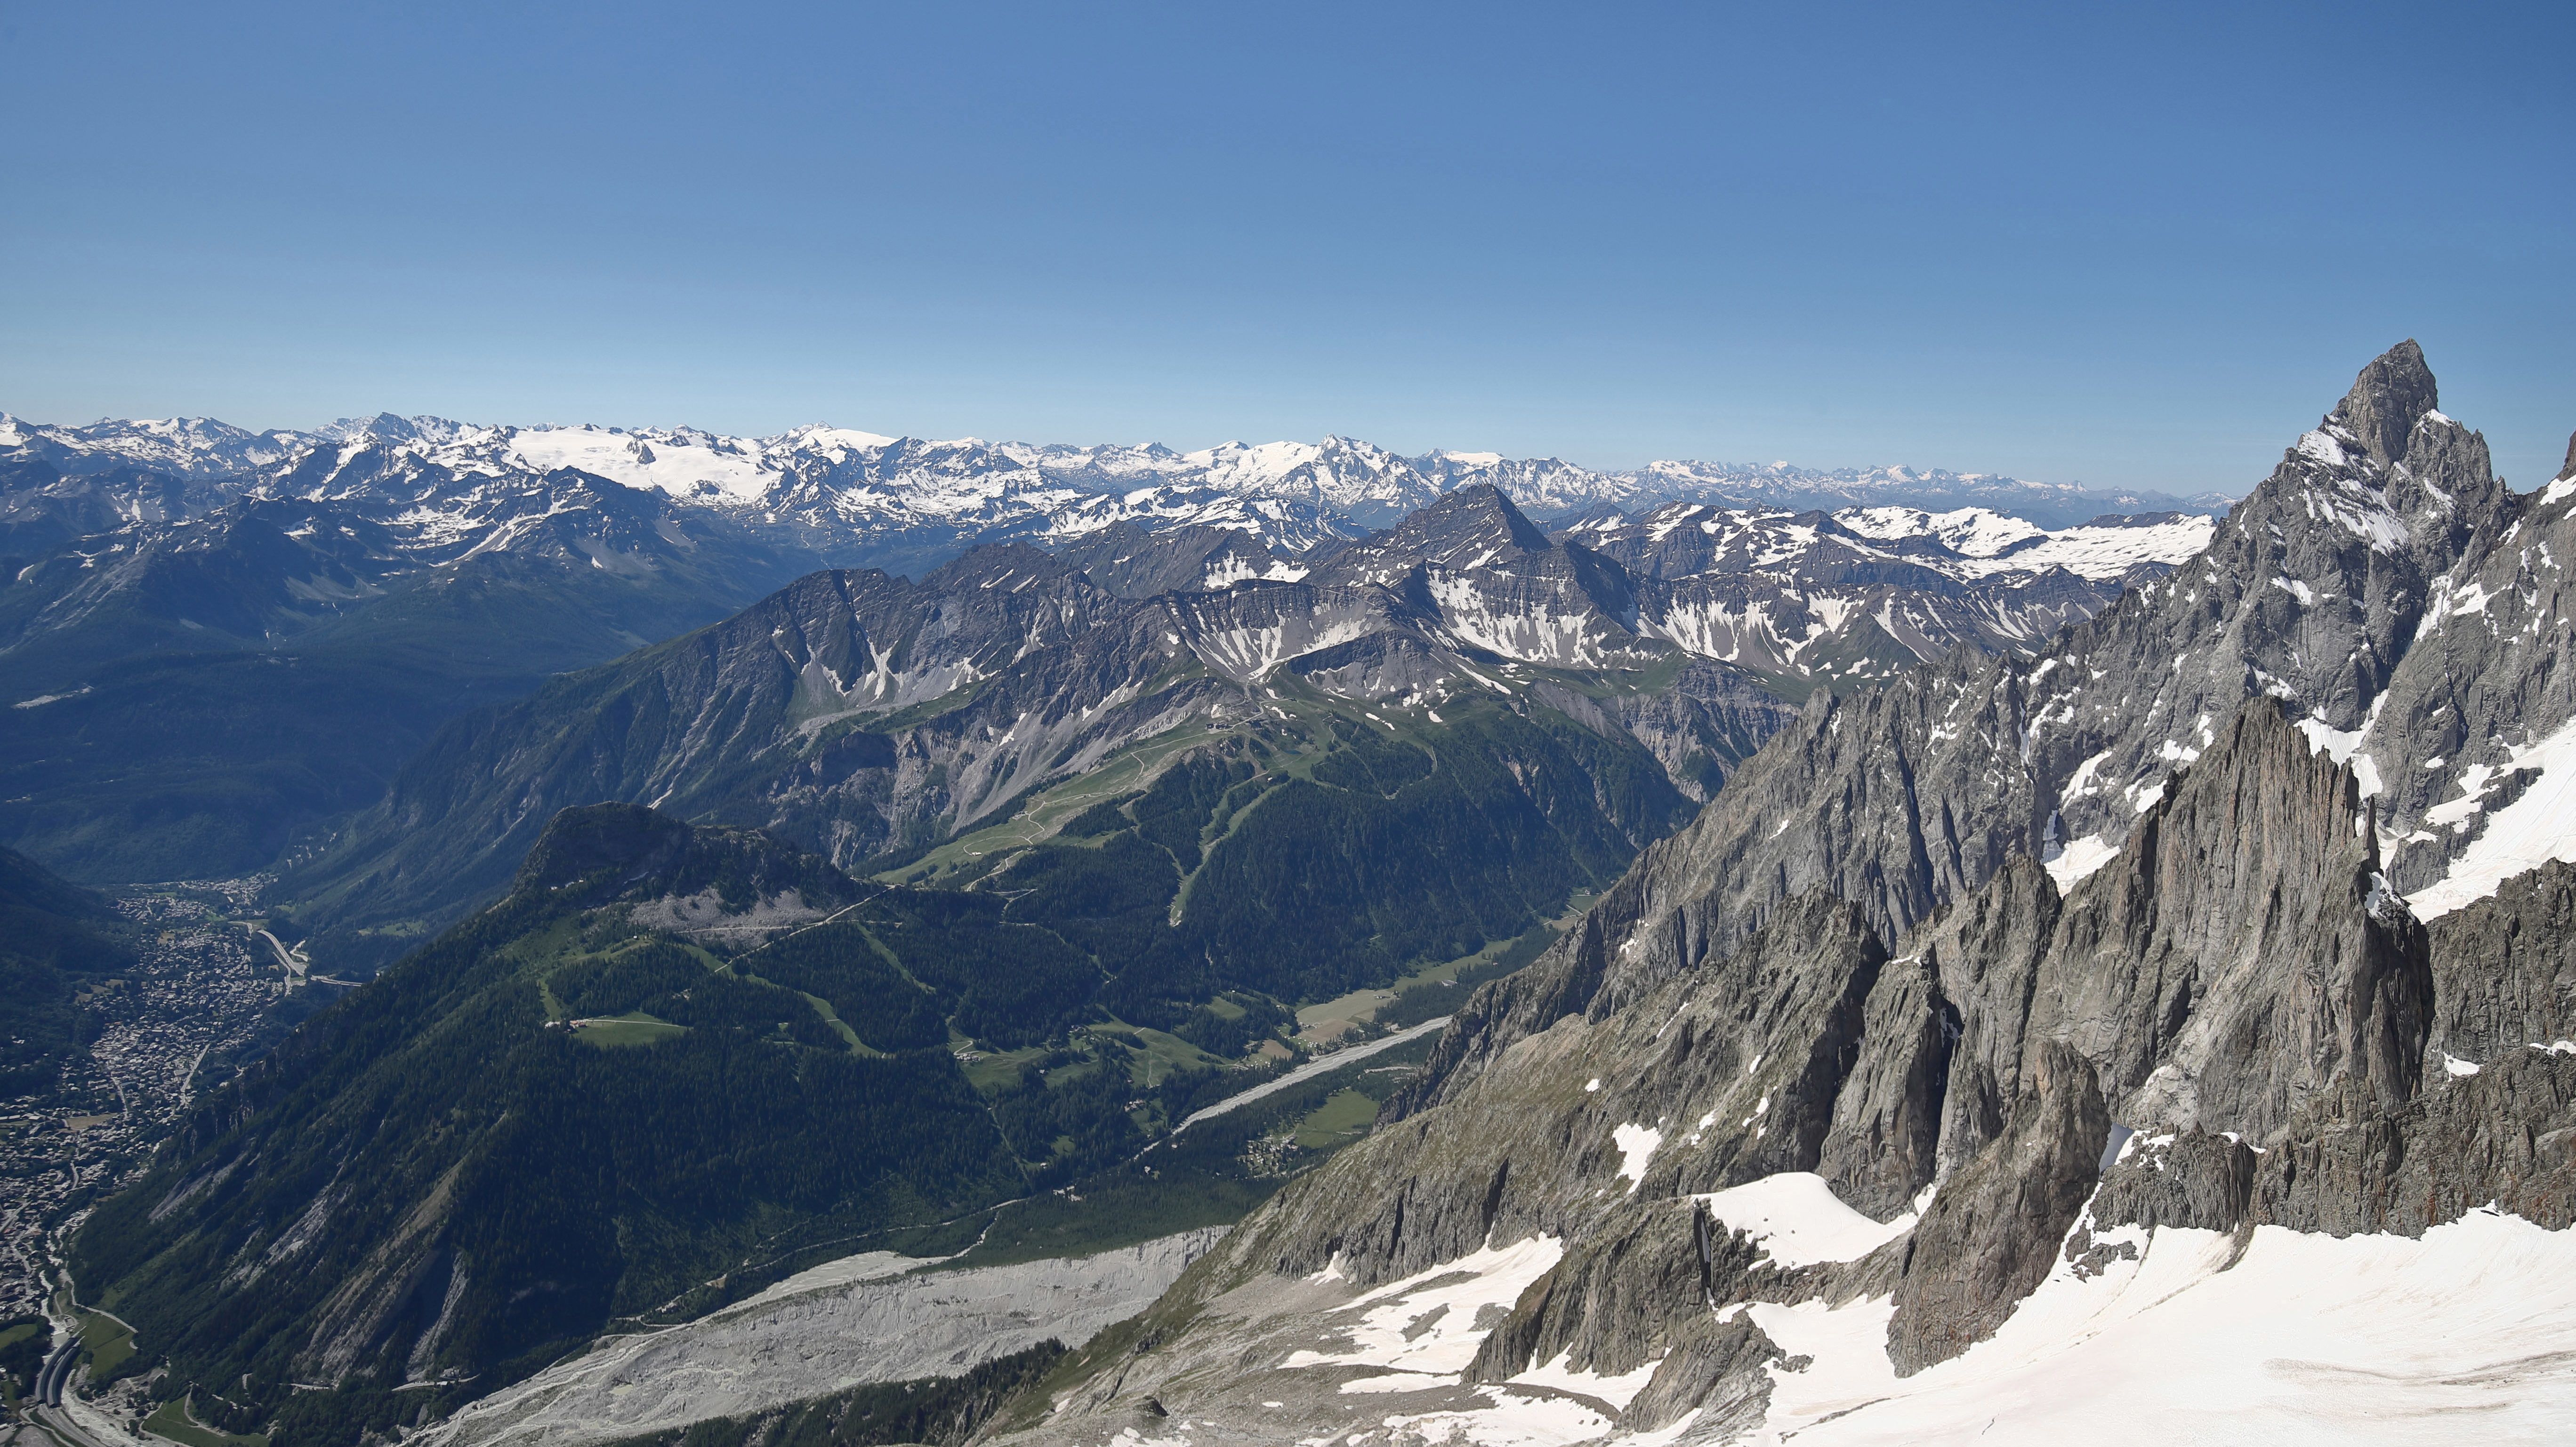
2130,245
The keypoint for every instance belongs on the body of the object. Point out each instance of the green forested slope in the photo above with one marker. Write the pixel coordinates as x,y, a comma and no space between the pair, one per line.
447,1175
676,1062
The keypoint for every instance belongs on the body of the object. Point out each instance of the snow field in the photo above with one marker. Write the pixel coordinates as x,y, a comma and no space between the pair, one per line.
2304,1339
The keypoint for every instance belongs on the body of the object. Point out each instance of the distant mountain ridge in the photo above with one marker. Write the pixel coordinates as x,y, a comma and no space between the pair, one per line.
862,715
217,641
1292,492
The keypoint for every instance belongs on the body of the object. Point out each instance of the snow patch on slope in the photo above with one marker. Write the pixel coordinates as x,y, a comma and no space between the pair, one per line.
2080,858
1798,1220
1427,1322
1618,1391
1637,1146
2520,837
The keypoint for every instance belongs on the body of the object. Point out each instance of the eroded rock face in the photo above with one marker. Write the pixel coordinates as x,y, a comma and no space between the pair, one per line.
2504,969
1620,1298
1992,1233
2239,957
2505,1136
1883,1144
2241,953
1987,950
1716,1370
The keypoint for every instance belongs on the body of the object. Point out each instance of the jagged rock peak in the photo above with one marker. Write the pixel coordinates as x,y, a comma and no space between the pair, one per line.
1469,528
2569,470
1479,506
2246,913
2386,400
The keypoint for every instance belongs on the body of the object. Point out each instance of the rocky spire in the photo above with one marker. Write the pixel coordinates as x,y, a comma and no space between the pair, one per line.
2385,401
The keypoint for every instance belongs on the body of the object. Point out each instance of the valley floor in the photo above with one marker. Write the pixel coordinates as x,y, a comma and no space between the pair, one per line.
879,1317
173,1026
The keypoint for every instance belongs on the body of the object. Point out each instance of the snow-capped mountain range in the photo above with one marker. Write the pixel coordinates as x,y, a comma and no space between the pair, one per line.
901,492
1753,584
512,554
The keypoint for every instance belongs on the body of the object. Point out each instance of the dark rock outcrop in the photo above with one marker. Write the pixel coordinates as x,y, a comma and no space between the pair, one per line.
1992,1233
1621,1297
2386,399
2504,969
2193,1179
1885,1139
1715,1368
2505,1136
1987,949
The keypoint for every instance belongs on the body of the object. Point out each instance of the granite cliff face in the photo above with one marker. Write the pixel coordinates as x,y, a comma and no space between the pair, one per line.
2507,969
1984,1016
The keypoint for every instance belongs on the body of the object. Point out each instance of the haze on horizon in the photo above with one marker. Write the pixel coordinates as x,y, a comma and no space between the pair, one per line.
2125,249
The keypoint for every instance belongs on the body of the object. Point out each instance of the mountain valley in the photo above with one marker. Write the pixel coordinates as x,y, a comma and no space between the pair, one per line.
1822,949
222,643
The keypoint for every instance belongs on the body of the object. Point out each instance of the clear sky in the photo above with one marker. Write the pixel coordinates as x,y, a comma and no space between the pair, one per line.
2138,245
